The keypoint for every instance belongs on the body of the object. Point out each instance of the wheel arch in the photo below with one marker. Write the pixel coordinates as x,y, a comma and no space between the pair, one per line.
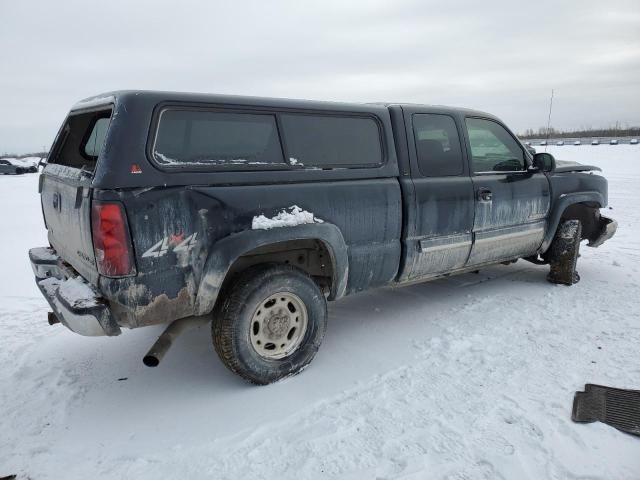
228,256
575,205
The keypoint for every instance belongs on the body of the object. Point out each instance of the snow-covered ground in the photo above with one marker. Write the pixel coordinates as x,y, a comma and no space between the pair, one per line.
464,378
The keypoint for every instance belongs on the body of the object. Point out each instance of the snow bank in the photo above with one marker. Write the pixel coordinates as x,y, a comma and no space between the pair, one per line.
296,216
31,160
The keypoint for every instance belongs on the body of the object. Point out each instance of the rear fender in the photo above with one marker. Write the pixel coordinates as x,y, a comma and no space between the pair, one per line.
224,253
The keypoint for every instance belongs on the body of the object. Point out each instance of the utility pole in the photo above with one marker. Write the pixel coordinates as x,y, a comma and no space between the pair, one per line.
549,120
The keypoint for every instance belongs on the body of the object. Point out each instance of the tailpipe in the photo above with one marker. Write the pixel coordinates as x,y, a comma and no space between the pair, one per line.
164,342
52,318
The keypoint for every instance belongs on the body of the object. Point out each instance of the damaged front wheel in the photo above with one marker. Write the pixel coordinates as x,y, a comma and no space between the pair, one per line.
563,253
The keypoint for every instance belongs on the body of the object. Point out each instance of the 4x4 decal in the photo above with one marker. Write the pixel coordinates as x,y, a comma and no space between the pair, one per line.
177,243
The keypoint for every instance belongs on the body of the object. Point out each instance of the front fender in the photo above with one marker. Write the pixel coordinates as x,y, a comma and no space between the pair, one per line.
565,200
225,252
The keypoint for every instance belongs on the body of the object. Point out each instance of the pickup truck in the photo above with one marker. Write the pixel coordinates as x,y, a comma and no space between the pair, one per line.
251,213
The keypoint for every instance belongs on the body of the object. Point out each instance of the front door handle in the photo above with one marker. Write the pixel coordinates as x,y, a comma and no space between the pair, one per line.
485,195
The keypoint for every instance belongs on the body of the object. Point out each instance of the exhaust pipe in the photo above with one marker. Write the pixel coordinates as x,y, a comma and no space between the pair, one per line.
52,318
164,342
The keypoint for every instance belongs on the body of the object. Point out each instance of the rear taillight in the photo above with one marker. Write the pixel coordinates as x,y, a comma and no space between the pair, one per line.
111,240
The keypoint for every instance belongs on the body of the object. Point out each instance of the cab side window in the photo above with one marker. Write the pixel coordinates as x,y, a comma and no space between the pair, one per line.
437,145
493,149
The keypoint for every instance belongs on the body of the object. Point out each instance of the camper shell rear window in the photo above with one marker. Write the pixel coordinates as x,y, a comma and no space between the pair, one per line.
81,139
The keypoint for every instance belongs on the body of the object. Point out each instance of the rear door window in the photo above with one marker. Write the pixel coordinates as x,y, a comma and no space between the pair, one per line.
200,137
437,145
332,141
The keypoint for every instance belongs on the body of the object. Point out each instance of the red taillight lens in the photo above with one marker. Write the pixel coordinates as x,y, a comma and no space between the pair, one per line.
111,240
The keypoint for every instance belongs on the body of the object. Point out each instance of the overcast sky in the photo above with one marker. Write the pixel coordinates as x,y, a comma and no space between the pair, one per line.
503,57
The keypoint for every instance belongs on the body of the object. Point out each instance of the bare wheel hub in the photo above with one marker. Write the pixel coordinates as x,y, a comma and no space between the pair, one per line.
278,325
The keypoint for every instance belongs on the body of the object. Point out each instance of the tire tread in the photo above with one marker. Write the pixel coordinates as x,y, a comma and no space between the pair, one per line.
229,308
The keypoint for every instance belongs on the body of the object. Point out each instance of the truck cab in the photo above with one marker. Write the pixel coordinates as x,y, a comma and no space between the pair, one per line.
472,196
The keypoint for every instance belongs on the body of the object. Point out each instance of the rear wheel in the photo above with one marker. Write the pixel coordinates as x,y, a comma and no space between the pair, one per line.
270,323
563,253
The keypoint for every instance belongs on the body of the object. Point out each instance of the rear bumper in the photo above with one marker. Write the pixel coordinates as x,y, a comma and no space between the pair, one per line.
75,302
606,230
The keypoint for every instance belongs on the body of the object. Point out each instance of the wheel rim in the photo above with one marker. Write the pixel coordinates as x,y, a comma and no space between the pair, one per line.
278,325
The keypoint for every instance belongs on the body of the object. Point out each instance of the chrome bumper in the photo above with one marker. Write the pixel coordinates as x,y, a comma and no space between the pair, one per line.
74,301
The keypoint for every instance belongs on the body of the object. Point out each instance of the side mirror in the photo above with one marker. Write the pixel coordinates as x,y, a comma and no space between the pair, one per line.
544,162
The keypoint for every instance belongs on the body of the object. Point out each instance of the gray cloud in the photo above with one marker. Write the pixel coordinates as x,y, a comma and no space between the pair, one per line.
493,55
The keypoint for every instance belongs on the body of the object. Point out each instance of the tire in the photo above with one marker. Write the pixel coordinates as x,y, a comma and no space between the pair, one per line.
279,299
563,253
19,171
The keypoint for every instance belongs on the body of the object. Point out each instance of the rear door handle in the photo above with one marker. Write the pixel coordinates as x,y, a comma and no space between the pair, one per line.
485,195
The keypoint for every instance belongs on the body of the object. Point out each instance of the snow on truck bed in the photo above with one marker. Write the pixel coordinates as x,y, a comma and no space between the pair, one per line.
463,378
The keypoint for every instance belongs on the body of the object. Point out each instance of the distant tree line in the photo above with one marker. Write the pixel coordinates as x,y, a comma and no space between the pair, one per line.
544,132
24,155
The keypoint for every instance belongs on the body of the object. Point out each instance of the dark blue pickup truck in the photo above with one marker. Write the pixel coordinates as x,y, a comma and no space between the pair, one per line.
250,213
